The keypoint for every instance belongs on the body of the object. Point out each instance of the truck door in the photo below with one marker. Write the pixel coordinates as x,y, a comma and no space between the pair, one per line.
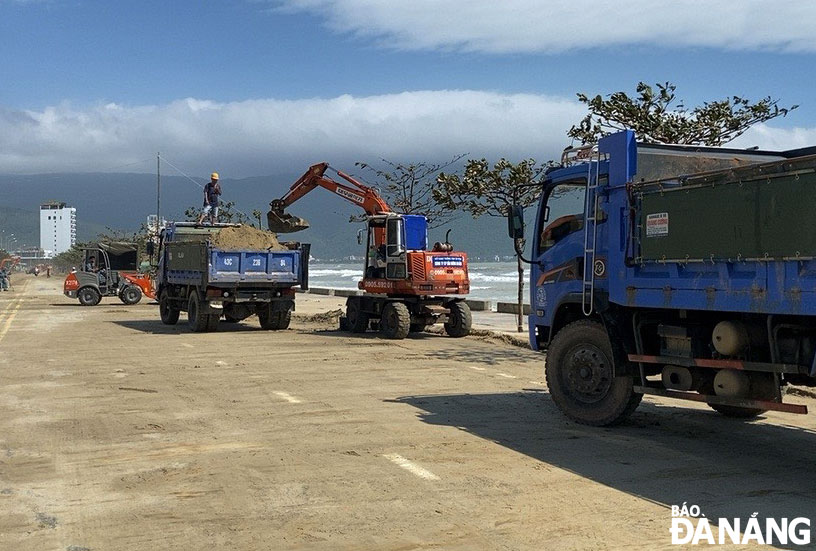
558,245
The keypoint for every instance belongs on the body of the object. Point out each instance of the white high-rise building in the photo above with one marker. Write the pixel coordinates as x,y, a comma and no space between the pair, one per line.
57,227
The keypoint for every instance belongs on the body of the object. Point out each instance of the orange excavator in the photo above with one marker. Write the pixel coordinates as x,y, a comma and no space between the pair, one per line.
9,262
406,286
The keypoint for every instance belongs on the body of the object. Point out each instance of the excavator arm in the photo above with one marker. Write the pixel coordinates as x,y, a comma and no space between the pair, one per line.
13,260
357,193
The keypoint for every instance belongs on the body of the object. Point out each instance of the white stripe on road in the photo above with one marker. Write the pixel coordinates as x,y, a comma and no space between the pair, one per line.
413,468
187,344
286,396
506,375
476,368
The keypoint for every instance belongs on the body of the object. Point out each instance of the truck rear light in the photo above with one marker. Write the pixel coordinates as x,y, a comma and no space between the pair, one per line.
214,292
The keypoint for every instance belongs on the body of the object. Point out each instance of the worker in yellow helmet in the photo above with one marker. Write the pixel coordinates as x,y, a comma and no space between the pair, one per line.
211,193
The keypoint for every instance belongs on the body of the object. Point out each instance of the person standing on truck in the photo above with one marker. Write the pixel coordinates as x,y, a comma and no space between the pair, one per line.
211,193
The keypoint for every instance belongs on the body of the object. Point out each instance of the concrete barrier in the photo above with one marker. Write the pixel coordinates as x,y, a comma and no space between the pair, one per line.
321,291
347,293
479,305
511,308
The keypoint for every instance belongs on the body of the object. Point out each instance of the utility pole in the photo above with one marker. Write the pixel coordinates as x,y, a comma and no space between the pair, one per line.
158,192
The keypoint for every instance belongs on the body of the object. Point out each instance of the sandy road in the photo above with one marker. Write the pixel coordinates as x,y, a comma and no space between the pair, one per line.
119,433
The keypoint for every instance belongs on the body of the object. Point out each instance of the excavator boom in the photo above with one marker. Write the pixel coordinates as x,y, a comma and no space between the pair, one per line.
357,193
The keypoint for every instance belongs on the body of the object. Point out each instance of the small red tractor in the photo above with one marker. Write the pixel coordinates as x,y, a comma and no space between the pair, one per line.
109,270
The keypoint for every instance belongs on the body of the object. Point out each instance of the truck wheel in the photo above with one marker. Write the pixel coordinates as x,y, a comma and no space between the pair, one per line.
212,322
169,314
356,319
196,319
130,295
396,320
580,376
460,319
88,296
275,320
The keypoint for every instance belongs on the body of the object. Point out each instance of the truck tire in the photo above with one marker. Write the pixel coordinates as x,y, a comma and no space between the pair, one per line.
579,372
130,295
168,313
459,320
275,320
212,322
88,296
396,320
198,321
356,318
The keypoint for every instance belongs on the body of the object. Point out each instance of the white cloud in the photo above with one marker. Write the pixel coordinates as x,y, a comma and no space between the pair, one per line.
776,139
267,136
550,26
270,136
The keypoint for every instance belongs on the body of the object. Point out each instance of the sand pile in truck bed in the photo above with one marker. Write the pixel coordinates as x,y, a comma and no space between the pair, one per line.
246,237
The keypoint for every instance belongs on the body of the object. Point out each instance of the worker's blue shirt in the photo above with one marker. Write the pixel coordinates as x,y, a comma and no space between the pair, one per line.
212,191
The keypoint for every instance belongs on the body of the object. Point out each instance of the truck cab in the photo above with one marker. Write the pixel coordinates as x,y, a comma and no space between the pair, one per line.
680,271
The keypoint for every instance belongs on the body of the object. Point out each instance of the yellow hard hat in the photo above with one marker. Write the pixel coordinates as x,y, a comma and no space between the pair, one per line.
214,176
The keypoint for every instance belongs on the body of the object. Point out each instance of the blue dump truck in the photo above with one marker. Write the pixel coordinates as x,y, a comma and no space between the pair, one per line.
228,270
679,271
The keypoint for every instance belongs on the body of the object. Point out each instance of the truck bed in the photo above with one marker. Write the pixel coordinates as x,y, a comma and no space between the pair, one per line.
197,262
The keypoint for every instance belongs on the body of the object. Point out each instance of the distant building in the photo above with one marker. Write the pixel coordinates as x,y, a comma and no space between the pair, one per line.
57,227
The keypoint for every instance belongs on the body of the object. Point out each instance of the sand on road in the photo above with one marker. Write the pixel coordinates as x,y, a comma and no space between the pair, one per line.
120,433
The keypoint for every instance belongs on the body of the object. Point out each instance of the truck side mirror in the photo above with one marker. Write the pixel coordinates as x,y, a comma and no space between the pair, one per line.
515,222
360,236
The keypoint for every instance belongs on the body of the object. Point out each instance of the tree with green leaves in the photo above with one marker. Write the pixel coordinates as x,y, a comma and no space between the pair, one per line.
408,188
483,189
227,213
657,116
72,258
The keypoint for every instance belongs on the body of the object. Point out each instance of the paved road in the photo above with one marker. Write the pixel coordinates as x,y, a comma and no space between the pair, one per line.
119,433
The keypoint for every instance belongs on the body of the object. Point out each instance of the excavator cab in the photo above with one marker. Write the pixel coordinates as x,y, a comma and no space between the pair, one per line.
386,256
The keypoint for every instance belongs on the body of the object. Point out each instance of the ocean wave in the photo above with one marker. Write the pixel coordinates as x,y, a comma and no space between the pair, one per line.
323,272
493,278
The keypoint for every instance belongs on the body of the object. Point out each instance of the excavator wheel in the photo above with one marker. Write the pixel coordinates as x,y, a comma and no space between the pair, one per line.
356,319
459,320
396,320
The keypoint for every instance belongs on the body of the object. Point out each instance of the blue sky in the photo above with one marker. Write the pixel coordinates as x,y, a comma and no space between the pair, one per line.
252,85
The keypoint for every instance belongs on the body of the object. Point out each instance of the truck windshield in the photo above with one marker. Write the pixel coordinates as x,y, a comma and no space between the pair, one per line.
565,206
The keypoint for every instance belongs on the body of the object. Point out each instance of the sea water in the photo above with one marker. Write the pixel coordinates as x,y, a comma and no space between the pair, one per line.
497,281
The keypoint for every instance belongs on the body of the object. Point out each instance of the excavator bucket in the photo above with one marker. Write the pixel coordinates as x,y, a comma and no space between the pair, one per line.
280,222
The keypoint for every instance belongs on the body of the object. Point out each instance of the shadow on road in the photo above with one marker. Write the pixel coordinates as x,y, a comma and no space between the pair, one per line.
368,335
156,327
486,355
90,308
664,454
